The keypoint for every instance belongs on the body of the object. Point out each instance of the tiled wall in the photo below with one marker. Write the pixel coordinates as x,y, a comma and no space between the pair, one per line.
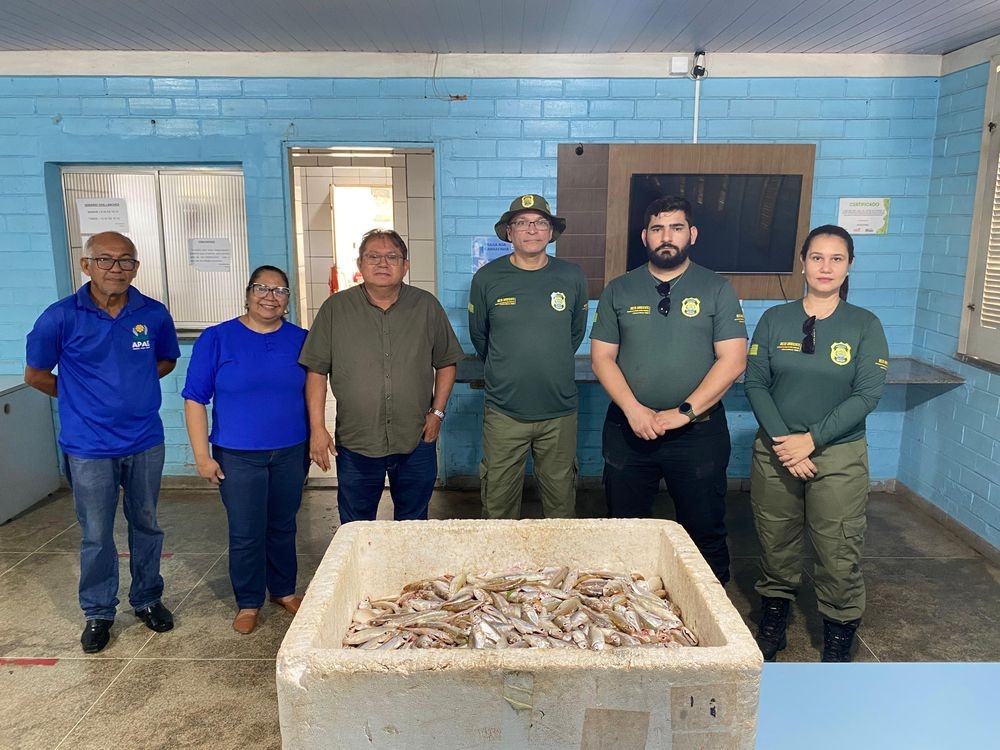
950,452
874,137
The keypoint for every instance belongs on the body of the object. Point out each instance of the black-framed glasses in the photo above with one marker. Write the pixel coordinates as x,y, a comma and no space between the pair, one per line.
262,290
540,224
663,289
809,330
106,264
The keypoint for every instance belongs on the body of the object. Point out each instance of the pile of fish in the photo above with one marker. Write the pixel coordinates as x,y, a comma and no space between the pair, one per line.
547,608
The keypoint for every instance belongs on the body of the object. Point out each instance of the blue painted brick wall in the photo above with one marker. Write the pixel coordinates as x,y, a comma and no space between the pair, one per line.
874,137
950,451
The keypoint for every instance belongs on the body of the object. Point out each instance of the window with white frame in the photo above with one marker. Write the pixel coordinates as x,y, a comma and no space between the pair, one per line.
980,333
188,225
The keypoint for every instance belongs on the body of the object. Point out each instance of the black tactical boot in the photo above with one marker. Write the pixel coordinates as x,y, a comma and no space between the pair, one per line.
771,631
838,639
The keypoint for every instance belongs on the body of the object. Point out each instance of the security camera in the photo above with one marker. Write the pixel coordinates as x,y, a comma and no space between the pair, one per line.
698,70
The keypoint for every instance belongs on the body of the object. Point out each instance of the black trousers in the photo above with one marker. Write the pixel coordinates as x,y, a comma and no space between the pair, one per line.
692,460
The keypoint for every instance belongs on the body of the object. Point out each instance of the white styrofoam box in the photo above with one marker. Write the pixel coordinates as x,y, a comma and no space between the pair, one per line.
679,698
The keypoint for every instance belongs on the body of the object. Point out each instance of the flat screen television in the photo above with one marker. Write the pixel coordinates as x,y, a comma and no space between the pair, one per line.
746,222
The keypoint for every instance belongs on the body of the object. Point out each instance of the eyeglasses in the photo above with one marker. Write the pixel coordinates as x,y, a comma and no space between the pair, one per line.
262,290
106,264
540,224
663,289
809,329
373,259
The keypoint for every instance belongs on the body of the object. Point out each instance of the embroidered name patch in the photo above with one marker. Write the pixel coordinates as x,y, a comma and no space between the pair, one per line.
789,346
506,301
638,310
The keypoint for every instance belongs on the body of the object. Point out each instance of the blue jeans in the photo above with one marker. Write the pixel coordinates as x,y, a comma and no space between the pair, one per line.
360,481
95,483
262,493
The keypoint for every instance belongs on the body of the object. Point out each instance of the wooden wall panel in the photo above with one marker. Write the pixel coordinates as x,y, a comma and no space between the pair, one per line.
595,232
582,199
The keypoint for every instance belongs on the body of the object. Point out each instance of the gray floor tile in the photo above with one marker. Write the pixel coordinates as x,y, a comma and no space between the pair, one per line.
40,615
42,702
184,704
933,610
9,559
897,529
204,621
38,525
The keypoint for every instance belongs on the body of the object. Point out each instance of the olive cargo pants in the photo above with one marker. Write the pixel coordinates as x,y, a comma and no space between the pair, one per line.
830,507
505,452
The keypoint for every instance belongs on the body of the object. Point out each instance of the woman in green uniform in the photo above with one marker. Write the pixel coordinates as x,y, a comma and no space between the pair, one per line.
815,370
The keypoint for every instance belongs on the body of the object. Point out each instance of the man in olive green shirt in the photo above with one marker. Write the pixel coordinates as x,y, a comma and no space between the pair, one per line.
527,318
390,354
667,343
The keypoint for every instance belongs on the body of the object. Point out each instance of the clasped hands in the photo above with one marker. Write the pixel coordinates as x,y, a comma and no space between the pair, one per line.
794,451
649,425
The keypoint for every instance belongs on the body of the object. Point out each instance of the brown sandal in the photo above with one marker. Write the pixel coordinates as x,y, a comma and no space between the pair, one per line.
245,621
291,603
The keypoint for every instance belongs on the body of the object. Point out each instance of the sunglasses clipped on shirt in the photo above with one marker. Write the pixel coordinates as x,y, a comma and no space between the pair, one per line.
663,289
809,341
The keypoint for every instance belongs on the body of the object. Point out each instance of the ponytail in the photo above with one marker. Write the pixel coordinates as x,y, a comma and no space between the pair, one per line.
843,287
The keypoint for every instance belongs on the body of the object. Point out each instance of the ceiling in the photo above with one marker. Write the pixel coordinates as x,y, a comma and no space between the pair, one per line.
500,26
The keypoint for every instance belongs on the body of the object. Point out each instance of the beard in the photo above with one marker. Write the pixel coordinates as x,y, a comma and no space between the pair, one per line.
666,262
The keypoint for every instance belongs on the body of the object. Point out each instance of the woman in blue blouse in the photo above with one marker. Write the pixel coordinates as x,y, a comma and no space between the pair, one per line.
248,369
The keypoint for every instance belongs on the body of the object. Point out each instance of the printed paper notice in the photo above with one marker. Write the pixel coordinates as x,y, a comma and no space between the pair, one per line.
211,254
864,215
102,215
485,249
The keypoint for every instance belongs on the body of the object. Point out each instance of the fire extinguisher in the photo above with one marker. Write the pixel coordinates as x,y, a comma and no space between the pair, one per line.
334,283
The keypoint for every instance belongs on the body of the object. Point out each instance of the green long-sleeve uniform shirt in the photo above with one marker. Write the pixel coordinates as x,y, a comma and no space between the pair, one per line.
527,326
827,394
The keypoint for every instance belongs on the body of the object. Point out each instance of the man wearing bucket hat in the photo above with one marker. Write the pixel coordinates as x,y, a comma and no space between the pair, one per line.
527,318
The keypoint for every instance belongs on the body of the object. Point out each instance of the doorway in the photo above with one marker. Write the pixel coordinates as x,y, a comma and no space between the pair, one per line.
338,194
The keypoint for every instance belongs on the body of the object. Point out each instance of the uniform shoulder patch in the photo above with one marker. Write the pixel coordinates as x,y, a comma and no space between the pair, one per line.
882,363
472,308
754,348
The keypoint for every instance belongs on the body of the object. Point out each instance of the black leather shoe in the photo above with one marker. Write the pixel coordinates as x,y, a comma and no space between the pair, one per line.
157,617
96,635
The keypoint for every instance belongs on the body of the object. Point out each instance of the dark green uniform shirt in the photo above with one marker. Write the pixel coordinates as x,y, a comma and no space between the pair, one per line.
381,365
665,357
527,325
828,393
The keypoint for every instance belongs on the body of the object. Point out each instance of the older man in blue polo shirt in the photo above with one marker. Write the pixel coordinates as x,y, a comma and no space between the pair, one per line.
111,344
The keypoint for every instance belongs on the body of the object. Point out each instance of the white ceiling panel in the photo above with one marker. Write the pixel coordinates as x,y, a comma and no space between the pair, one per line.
930,27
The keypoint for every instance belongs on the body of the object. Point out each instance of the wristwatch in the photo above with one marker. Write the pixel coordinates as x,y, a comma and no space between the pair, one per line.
687,411
437,413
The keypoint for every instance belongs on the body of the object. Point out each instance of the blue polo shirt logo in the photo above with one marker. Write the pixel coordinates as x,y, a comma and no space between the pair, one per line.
140,337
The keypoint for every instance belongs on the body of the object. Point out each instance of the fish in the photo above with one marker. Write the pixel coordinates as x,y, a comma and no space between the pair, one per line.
550,607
